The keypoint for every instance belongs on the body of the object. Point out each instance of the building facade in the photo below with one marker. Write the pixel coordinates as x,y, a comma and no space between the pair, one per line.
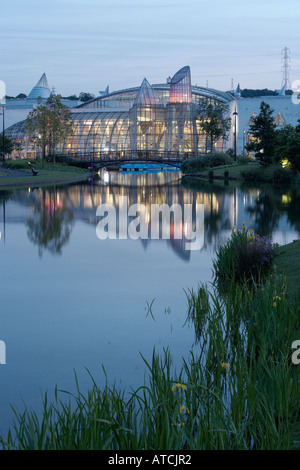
157,120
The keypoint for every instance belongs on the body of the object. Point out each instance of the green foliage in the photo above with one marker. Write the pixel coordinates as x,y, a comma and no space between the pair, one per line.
48,124
7,146
204,162
287,151
22,164
246,257
240,392
263,131
248,93
274,174
214,121
83,96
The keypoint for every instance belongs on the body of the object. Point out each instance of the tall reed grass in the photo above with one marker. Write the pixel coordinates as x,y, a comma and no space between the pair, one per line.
246,257
237,390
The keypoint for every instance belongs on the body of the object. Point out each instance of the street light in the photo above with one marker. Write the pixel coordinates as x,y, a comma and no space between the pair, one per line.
3,134
235,133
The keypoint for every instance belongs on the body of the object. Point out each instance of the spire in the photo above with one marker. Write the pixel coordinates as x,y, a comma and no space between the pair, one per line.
237,92
282,91
40,90
147,95
105,92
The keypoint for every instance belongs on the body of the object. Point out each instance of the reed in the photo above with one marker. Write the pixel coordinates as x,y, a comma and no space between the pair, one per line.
237,390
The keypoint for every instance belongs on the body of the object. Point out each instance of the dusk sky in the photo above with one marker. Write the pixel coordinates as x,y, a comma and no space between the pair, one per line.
87,45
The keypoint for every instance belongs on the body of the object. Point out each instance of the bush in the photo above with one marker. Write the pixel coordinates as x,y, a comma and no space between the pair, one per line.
219,159
281,176
272,174
245,257
204,162
242,160
19,164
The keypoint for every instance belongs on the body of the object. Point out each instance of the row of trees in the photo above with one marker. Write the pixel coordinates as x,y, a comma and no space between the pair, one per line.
272,144
83,96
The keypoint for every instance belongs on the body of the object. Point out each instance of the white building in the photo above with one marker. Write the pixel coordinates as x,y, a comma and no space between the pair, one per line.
285,112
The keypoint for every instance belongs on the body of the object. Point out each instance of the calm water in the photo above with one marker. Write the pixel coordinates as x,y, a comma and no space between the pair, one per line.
70,301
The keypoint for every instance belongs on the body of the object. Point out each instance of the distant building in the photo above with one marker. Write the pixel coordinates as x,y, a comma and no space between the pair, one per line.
17,109
284,111
153,120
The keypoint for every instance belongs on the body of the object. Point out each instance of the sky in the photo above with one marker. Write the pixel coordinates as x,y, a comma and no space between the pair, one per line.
83,46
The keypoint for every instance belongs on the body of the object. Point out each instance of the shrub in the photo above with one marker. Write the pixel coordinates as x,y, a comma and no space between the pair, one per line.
242,160
219,159
203,162
281,176
19,164
245,257
273,174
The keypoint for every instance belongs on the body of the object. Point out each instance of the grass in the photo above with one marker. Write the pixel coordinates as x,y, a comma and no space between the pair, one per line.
246,257
288,264
48,174
234,170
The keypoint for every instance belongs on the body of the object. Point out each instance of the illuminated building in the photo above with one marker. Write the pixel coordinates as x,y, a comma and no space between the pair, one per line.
145,121
153,120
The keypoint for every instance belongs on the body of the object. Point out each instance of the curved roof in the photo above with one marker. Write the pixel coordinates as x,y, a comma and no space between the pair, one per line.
182,73
126,98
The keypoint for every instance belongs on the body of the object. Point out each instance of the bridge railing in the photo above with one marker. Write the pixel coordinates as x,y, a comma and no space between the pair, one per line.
98,157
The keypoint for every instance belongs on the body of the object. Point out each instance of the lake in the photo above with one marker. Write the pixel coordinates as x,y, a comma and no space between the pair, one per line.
71,301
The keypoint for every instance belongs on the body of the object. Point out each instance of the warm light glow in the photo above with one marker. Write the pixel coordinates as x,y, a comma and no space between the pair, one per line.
285,163
286,199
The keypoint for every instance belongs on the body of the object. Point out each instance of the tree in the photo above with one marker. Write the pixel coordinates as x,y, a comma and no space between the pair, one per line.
6,145
86,96
60,121
287,150
48,124
18,147
212,119
263,131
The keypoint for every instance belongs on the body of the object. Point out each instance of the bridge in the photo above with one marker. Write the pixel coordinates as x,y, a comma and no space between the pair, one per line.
104,160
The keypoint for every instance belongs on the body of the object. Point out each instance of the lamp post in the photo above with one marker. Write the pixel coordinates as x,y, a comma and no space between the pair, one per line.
3,134
235,133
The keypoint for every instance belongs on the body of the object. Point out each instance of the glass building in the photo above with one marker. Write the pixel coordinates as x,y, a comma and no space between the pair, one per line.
140,122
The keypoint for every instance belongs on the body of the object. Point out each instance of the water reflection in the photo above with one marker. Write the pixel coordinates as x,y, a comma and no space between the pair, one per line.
51,213
88,306
51,224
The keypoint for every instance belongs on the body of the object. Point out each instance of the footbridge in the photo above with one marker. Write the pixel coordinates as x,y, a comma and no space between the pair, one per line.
115,160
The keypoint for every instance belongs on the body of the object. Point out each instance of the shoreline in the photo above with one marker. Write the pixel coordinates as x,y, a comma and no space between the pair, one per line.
19,178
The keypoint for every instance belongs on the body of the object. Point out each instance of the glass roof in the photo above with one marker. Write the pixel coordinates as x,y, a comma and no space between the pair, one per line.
40,90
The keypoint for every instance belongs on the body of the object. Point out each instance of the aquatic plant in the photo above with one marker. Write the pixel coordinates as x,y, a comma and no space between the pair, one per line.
245,257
